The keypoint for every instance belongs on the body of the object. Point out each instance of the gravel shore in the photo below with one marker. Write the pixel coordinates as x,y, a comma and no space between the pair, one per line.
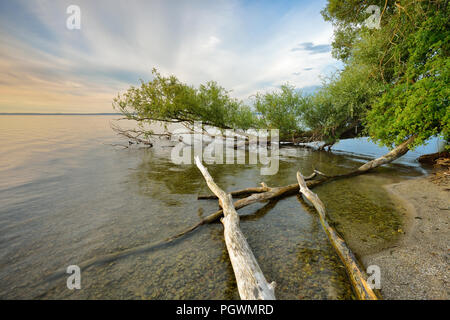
417,266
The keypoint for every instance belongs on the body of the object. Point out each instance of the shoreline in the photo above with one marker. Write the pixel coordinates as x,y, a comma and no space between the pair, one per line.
416,266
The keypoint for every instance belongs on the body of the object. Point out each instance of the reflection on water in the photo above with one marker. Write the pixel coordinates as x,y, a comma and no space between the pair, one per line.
66,196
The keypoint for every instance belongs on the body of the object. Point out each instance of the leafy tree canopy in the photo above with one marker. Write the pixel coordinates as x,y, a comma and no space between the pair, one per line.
406,63
337,110
281,110
167,99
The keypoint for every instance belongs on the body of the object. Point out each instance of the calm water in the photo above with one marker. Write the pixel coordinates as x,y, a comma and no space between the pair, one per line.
67,196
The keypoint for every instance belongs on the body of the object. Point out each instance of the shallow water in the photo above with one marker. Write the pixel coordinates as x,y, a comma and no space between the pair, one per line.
67,196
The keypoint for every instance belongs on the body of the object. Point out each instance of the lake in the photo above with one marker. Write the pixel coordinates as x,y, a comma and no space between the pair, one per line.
68,196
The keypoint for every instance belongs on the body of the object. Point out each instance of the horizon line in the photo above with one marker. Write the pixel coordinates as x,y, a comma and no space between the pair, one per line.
59,113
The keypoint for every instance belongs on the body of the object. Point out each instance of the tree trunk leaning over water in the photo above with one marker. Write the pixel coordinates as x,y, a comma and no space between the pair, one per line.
392,155
252,284
354,270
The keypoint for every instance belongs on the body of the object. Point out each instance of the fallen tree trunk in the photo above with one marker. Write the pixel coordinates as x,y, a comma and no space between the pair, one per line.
392,155
433,157
355,272
237,193
252,284
247,191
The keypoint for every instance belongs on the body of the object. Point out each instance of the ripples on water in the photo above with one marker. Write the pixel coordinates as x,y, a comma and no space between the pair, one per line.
66,196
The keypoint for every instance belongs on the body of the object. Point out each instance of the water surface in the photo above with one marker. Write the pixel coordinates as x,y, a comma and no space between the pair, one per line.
68,196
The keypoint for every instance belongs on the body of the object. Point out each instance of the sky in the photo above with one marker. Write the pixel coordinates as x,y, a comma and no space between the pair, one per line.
246,46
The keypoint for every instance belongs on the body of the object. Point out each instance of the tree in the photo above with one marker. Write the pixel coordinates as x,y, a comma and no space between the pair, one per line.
167,100
336,111
415,99
281,110
406,63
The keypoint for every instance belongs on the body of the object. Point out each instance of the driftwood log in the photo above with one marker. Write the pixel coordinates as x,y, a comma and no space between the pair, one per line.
354,270
248,191
251,283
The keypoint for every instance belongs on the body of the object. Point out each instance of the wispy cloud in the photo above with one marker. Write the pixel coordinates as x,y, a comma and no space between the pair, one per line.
245,46
311,48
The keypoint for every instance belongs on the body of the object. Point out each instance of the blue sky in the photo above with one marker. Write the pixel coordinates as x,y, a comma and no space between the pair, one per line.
246,46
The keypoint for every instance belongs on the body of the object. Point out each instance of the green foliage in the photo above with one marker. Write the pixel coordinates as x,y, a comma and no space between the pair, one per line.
167,99
281,110
336,110
347,17
406,66
415,101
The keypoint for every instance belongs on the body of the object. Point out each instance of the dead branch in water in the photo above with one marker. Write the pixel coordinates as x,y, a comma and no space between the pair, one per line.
252,284
247,191
134,136
354,270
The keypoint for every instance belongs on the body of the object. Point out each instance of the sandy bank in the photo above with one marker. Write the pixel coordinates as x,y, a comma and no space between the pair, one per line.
417,266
